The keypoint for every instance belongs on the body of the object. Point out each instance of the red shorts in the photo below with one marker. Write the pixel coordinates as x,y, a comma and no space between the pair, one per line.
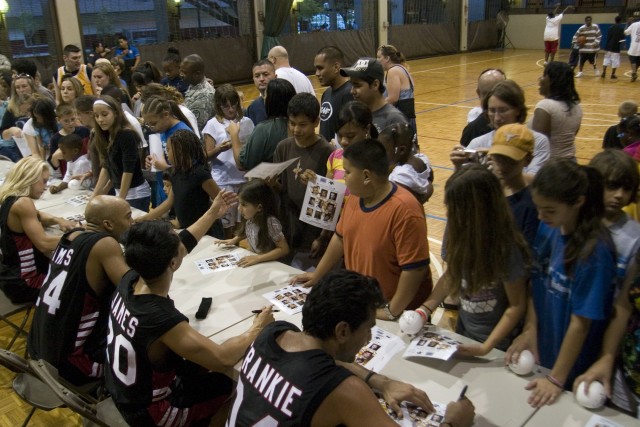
551,46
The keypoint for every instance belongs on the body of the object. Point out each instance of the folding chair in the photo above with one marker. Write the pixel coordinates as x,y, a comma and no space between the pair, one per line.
103,414
7,309
28,386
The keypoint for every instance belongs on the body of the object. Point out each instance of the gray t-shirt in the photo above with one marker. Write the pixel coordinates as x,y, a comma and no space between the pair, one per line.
387,116
480,313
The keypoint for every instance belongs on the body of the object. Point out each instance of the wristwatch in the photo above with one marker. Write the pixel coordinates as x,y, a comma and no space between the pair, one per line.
387,311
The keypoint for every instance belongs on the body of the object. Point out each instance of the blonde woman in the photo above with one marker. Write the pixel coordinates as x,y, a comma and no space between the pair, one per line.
23,240
23,93
104,74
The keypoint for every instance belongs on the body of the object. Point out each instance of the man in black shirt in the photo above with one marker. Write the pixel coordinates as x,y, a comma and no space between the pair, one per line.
294,378
478,122
158,365
328,62
615,37
70,322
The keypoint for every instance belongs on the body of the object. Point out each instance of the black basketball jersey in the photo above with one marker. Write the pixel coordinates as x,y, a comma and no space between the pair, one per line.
22,265
69,328
135,322
276,387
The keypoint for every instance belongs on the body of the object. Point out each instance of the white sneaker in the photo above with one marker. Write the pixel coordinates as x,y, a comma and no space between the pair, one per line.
579,74
596,72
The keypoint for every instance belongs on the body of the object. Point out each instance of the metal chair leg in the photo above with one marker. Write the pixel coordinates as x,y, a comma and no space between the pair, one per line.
20,329
26,421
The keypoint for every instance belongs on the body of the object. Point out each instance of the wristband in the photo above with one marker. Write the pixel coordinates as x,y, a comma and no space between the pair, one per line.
422,314
368,377
554,381
427,308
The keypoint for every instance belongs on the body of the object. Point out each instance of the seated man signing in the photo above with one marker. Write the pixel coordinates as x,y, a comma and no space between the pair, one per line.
160,368
70,321
382,233
308,378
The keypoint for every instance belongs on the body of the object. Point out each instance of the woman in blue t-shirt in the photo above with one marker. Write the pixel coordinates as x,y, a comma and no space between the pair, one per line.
572,279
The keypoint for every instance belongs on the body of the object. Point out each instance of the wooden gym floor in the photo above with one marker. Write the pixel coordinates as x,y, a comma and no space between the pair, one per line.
445,92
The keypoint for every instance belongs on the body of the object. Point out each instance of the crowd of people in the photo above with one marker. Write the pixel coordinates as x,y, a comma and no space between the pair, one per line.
560,279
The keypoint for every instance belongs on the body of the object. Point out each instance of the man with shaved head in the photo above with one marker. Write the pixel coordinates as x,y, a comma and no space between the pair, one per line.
69,327
477,120
280,59
199,96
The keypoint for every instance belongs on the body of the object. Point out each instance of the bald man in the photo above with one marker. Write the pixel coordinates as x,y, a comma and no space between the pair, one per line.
69,327
199,96
477,122
280,59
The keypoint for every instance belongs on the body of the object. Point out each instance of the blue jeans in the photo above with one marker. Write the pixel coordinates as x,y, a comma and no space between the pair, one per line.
141,203
11,152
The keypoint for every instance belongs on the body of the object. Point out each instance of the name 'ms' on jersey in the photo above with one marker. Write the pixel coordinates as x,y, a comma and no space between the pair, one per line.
280,388
69,324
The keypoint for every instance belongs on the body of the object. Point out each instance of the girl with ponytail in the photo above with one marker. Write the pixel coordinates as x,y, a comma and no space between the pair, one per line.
572,279
162,116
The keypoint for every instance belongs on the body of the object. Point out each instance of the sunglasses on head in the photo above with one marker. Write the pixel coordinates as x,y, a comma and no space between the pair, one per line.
22,76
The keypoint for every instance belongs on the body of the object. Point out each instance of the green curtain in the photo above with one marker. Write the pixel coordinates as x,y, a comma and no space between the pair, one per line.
276,13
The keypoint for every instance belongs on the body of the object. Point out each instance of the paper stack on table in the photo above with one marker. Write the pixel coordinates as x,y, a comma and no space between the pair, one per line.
431,344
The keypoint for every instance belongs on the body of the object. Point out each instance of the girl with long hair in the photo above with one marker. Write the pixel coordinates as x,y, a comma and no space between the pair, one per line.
118,146
103,75
260,224
39,129
559,115
70,89
265,137
164,117
229,120
192,187
23,240
487,268
572,279
23,93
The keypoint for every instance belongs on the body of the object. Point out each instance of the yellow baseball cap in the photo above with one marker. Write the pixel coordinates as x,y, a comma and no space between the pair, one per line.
514,141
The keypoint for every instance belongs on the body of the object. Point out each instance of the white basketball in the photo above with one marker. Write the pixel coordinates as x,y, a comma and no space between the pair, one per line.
525,363
411,322
74,184
594,399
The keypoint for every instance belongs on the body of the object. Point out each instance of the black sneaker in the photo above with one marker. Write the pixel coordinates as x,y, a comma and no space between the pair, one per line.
614,77
634,77
603,75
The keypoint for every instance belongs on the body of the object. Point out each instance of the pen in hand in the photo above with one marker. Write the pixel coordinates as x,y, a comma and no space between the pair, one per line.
462,393
260,311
